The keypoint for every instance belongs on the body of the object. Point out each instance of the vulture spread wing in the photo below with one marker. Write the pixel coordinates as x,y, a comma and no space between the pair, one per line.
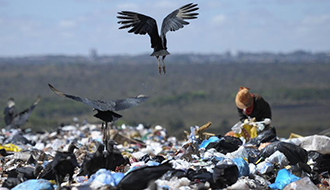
129,102
103,105
176,19
140,24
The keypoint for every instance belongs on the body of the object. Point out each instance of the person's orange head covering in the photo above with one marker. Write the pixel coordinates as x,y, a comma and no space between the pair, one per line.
244,98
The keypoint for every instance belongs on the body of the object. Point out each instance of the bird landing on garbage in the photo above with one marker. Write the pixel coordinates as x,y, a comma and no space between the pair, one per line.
142,24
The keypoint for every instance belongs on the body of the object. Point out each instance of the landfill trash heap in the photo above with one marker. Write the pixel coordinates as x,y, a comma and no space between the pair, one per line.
140,157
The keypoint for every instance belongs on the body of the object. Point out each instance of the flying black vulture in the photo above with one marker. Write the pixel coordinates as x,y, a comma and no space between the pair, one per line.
142,24
105,108
9,111
16,120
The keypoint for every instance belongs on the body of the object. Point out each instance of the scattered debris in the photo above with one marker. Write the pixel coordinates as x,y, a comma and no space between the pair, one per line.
139,157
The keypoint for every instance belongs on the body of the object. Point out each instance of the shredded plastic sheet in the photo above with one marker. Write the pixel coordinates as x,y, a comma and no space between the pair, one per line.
10,147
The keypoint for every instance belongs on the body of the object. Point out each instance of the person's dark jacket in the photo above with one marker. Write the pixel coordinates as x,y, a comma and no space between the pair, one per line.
261,109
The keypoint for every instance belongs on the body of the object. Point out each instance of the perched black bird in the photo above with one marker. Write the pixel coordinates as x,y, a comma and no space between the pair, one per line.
64,163
93,162
140,178
47,172
142,24
113,157
108,159
105,108
19,119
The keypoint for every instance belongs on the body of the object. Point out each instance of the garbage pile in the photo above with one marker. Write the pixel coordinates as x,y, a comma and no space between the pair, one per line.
140,157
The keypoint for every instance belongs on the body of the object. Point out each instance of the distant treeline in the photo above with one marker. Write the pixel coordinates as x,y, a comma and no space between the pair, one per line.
189,94
221,58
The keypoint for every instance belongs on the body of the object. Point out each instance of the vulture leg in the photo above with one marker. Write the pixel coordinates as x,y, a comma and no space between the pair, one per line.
104,132
164,70
159,68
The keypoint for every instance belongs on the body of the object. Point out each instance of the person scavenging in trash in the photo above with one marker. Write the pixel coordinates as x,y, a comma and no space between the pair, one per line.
254,114
251,105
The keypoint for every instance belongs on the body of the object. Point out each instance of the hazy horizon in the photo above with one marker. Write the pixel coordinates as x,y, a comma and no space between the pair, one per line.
75,27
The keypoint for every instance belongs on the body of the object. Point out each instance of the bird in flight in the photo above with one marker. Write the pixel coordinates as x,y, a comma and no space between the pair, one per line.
13,119
142,24
105,108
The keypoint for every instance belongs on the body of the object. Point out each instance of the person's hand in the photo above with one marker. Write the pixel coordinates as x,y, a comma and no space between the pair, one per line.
267,121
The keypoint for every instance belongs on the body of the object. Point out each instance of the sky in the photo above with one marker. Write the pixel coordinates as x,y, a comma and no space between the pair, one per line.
74,27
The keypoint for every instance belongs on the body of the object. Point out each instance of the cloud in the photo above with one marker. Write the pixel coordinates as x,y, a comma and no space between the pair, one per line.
67,34
128,6
68,24
3,3
317,20
167,5
219,19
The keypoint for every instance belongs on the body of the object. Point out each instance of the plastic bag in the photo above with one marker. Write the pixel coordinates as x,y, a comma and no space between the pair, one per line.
225,175
105,177
243,167
292,152
317,143
34,184
302,184
283,178
278,158
268,135
225,144
206,142
10,147
265,167
246,131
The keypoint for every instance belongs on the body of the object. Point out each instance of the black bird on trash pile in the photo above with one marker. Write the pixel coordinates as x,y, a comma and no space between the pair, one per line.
64,163
12,119
142,24
108,159
93,162
113,157
105,108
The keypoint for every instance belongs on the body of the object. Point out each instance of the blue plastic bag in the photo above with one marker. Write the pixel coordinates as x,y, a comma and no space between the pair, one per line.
105,177
208,141
34,184
283,178
243,167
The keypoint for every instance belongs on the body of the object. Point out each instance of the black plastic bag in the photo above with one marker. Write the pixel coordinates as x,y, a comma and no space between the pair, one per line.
253,154
146,158
226,144
141,177
175,173
322,163
224,175
293,153
268,135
